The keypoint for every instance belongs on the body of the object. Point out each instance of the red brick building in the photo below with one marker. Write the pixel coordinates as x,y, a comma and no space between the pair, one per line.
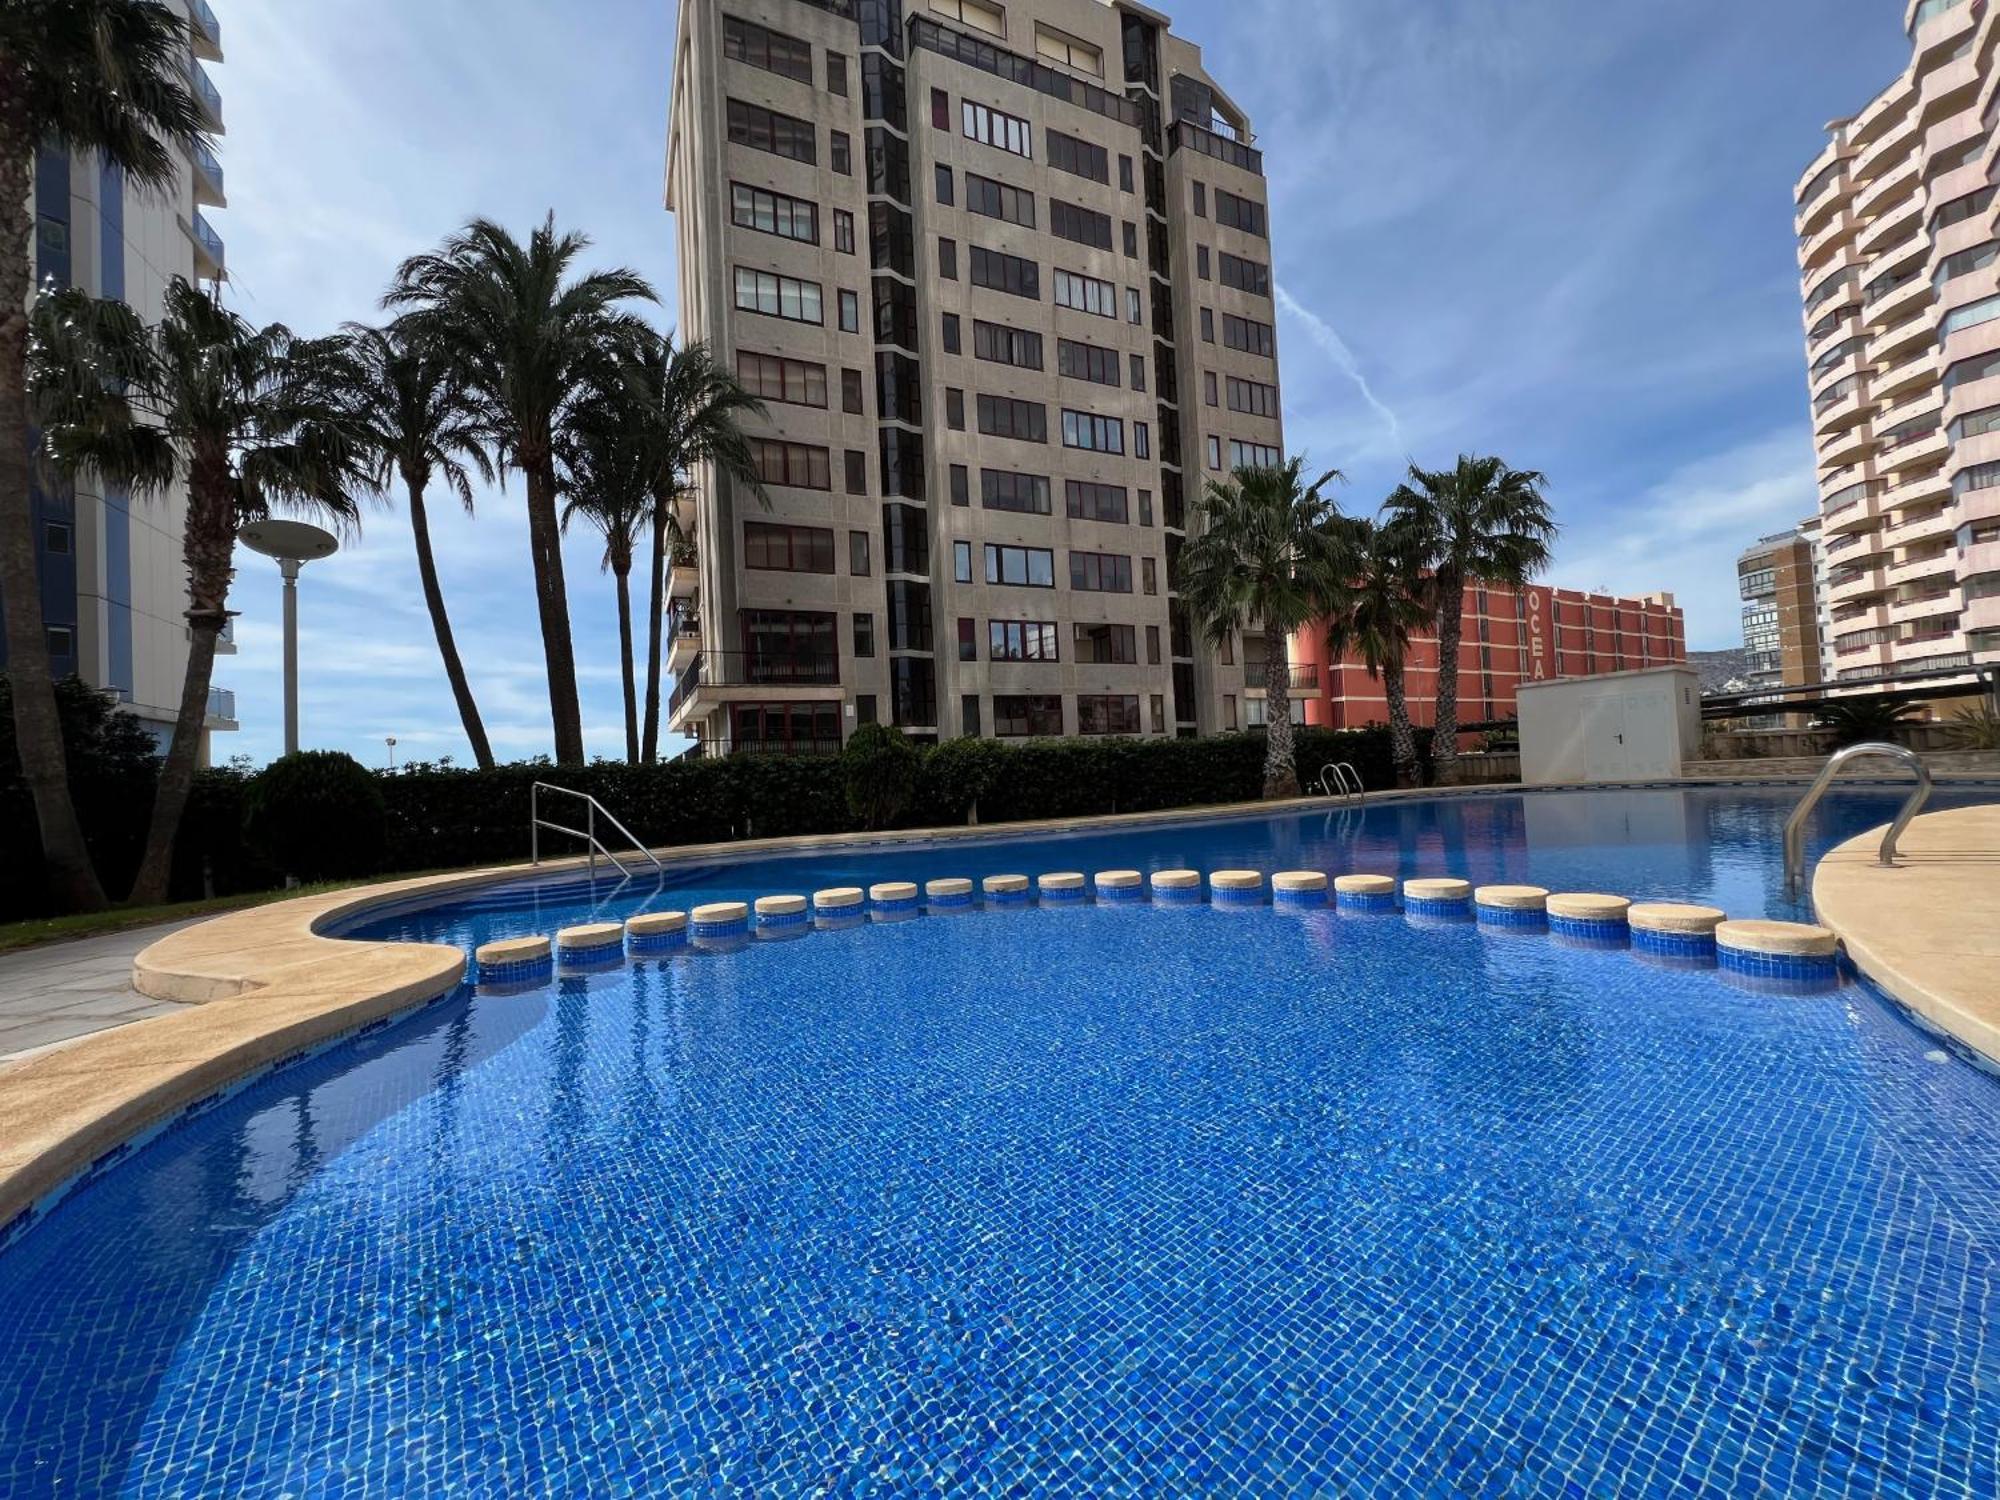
1510,635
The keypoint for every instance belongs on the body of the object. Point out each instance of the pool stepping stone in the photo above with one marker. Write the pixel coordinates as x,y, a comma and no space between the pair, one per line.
1777,950
1176,887
1005,890
781,912
656,931
1674,929
1364,893
1588,914
1061,886
952,891
1437,896
1511,905
1299,888
720,919
1119,885
1236,888
511,959
591,942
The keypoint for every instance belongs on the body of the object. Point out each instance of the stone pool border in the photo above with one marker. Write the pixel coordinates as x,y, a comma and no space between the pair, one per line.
267,986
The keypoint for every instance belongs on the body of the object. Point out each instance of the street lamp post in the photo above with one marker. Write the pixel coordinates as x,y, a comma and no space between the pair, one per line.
292,544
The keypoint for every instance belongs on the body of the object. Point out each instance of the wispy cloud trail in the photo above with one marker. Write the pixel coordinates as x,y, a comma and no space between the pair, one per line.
1335,348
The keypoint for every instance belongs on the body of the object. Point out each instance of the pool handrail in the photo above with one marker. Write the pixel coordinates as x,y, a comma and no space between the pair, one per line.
588,833
1795,836
1338,778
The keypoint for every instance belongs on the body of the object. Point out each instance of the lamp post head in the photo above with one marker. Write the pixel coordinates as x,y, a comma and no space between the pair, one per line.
290,542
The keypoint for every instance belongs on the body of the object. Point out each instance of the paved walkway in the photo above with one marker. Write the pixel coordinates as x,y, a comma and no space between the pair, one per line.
58,991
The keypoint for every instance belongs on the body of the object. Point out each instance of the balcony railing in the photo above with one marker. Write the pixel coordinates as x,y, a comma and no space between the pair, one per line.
222,704
210,241
1197,137
208,164
205,22
206,91
1298,679
755,669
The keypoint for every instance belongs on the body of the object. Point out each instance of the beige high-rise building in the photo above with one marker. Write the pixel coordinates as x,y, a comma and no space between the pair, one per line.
114,581
1003,275
1897,248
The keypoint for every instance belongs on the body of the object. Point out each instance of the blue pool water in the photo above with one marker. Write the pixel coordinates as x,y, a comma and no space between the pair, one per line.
1092,1200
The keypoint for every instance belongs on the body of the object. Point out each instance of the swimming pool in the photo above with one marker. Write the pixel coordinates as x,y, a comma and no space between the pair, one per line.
1096,1200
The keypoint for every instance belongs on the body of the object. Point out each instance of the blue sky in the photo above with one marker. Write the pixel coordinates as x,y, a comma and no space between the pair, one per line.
1558,230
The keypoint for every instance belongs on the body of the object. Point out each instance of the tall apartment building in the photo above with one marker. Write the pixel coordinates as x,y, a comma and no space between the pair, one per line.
114,585
1777,578
1510,636
1897,253
1003,274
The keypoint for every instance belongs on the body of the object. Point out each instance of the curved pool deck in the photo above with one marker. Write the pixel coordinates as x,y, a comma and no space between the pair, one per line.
269,986
1926,930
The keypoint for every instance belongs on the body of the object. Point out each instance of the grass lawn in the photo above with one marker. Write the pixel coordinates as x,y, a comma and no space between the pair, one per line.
33,933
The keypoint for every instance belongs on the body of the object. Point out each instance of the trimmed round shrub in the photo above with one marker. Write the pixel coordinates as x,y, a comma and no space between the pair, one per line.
956,775
318,814
879,766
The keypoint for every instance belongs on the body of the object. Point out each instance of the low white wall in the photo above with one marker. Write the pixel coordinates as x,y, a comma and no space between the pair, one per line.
1622,726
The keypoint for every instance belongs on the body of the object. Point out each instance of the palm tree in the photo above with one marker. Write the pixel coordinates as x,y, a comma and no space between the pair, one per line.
530,341
1275,552
250,418
419,424
1480,520
1389,599
607,480
691,410
109,76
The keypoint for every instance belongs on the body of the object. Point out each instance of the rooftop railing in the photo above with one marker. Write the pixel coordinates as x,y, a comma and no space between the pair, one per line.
205,90
1197,137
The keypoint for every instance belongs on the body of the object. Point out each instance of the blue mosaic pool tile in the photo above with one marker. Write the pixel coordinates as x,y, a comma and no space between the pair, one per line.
519,971
1120,895
736,927
1177,895
1007,898
1298,898
903,903
1596,929
947,903
776,919
1061,897
839,919
657,942
605,956
1674,944
1227,896
1777,965
1365,901
1531,918
1421,906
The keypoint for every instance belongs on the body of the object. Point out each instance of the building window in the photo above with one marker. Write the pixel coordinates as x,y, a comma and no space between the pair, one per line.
841,151
1105,645
773,213
1003,416
1078,158
1107,713
1208,391
1100,573
1208,325
767,130
1082,361
1159,705
1233,212
1059,47
864,708
951,333
850,392
1253,456
850,312
1201,261
864,637
1003,489
773,378
1086,294
968,713
1138,372
1149,575
1201,200
992,127
943,184
961,562
1153,647
1228,710
1215,454
1006,273
1084,226
1082,429
954,410
61,640
799,465
961,485
836,74
1145,507
857,554
843,231
1020,567
774,547
1131,234
1142,440
57,538
1020,714
760,47
857,472
968,639
1252,396
1134,308
1021,640
1006,346
948,259
996,200
940,110
1249,276
778,296
1125,174
1089,501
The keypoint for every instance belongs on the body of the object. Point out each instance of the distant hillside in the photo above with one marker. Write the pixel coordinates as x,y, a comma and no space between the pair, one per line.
1716,667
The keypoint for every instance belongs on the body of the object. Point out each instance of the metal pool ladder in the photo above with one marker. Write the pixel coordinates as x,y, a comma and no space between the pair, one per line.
1339,779
1795,825
593,810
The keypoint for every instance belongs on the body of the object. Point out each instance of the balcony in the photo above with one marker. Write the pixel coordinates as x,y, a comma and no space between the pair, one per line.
683,644
208,189
207,96
209,262
1926,605
1888,230
684,578
1299,679
1196,137
207,31
1854,585
1917,570
221,709
1817,250
719,676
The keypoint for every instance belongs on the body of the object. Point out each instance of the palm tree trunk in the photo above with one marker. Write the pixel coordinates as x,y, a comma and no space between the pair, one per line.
207,544
454,669
655,606
1402,740
37,727
552,599
1281,776
621,572
1451,625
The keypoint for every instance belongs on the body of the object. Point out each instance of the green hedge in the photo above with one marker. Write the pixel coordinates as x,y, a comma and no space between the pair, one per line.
440,817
